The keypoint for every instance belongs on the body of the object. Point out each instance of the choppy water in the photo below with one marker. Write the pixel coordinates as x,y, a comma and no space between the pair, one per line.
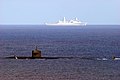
89,41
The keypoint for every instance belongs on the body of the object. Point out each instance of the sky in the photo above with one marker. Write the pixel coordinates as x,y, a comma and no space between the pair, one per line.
42,11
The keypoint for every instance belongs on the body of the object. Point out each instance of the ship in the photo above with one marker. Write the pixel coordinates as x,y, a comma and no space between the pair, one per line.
73,22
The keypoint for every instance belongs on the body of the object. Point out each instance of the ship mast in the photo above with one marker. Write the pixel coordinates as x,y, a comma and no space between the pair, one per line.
64,20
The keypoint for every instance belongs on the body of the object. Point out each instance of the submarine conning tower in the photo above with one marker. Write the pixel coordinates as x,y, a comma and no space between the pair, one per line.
36,53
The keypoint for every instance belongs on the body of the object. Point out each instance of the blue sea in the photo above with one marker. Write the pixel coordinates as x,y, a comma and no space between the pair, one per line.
99,42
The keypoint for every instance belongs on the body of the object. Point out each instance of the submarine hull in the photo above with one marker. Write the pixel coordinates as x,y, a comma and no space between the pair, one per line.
18,57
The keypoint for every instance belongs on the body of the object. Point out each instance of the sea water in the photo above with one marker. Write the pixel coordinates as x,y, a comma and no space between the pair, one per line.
100,42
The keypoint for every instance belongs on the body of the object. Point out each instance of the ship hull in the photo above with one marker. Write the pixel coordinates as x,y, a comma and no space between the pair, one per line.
66,24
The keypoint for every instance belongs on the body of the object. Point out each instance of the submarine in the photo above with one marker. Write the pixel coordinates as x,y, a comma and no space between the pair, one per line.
37,54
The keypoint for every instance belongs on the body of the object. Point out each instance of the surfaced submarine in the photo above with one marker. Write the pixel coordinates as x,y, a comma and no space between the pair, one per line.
36,54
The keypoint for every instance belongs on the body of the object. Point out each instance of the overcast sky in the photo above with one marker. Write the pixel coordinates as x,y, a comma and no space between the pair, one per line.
41,11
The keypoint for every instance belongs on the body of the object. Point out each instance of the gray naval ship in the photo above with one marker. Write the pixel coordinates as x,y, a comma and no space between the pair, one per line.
73,22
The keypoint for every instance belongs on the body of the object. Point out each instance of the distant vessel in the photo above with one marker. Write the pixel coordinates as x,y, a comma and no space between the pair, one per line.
74,22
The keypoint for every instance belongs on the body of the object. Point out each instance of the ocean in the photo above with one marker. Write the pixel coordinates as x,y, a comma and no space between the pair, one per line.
97,42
